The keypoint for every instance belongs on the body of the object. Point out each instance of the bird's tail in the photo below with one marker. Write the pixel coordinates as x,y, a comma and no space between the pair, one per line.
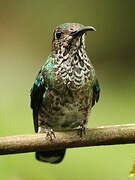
54,157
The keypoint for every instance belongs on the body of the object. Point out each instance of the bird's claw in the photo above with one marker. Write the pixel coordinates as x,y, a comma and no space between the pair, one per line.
50,134
82,131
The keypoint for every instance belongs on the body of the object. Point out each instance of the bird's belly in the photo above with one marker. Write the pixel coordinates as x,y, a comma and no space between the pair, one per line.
66,117
65,112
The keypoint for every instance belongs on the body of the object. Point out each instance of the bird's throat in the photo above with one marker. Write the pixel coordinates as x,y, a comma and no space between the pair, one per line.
73,66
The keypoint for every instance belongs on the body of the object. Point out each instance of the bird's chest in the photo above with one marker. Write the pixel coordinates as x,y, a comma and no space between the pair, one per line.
73,74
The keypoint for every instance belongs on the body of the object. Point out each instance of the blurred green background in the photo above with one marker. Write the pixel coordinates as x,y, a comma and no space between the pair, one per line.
25,36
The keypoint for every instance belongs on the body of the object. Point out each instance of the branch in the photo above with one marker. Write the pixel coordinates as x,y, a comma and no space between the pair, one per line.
104,135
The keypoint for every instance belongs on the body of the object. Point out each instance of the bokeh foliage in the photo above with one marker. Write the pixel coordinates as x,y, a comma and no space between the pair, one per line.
25,36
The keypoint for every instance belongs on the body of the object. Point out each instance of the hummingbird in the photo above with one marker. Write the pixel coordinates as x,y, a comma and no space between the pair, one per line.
66,88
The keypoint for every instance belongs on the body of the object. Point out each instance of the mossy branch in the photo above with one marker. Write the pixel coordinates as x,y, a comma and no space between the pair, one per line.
105,135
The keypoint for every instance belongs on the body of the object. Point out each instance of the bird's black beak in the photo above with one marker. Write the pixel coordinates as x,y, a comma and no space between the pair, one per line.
82,31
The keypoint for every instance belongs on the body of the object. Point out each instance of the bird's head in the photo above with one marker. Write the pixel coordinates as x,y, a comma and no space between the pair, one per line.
70,36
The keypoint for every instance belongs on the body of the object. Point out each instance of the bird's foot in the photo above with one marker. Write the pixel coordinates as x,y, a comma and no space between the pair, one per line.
82,130
50,134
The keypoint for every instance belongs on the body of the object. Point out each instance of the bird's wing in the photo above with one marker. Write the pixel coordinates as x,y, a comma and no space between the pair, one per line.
37,92
96,92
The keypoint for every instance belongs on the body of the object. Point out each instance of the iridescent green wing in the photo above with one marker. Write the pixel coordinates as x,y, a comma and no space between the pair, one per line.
39,88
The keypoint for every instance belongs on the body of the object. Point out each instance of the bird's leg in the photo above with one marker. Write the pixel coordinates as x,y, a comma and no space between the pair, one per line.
82,128
49,132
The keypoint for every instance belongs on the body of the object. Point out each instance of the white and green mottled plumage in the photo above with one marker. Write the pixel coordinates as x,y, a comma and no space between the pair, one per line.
66,87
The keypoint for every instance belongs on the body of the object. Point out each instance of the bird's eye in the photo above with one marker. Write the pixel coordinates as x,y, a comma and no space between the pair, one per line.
58,35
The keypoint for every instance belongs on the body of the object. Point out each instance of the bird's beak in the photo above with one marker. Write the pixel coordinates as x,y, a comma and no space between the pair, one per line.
82,31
